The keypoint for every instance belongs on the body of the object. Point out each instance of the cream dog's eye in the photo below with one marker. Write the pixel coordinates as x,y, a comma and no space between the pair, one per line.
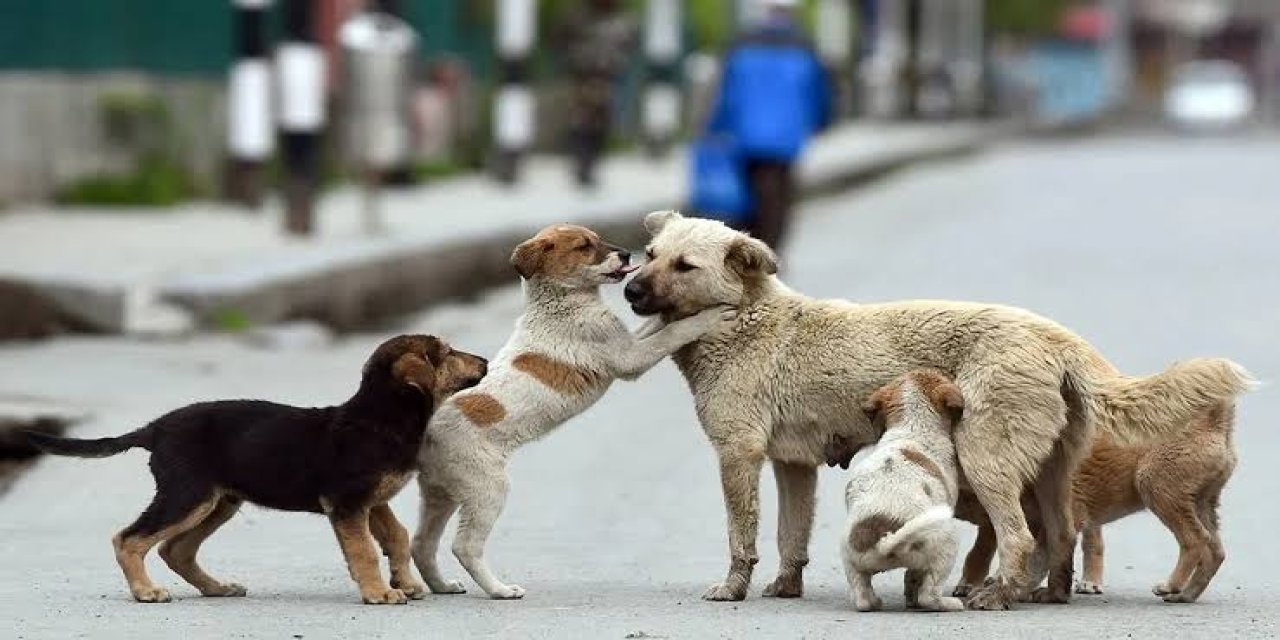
683,265
583,247
648,254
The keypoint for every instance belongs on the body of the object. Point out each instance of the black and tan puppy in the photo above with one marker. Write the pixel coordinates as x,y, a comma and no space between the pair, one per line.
345,462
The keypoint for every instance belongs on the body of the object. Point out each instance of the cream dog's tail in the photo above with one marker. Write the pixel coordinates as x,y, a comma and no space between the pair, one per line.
1134,409
932,517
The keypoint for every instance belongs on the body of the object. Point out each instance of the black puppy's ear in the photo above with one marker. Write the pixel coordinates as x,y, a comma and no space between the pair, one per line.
416,371
751,258
527,258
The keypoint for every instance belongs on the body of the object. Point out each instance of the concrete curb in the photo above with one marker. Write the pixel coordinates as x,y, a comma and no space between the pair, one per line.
364,280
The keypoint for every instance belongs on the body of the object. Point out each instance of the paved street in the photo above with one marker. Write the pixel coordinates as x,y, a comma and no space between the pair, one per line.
1153,248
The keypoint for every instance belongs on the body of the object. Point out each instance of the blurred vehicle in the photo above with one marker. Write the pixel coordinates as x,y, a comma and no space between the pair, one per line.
1209,95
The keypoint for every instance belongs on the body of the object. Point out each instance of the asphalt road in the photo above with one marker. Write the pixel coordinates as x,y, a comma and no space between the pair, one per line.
1153,248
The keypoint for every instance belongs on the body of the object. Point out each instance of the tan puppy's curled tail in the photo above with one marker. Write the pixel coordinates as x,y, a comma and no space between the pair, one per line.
930,518
1135,409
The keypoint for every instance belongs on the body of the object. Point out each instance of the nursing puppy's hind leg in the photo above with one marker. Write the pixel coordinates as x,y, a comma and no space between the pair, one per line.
929,591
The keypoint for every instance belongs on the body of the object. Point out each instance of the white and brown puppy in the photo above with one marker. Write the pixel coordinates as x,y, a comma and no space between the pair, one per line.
566,350
791,371
902,495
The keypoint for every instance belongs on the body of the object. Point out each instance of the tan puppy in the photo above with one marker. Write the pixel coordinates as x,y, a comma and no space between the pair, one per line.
1179,480
566,350
901,495
789,373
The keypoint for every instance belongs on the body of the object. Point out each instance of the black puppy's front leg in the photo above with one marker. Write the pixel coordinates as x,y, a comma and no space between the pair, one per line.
352,529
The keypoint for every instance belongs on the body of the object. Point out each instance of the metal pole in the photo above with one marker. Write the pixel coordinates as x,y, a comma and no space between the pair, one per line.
301,67
249,131
513,109
662,48
833,35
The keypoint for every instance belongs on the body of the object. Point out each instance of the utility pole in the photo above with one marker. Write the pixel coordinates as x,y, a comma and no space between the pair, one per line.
513,109
250,142
301,67
833,37
662,48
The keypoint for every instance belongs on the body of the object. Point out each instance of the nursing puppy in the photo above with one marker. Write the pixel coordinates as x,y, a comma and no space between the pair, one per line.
1179,479
345,462
789,373
566,350
901,495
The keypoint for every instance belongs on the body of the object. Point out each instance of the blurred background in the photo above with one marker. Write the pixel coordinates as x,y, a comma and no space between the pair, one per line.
240,198
154,102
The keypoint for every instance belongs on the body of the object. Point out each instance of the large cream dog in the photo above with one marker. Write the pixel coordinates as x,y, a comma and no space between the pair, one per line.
566,350
792,371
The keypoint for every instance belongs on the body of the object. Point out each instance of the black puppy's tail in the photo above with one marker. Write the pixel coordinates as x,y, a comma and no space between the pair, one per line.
96,448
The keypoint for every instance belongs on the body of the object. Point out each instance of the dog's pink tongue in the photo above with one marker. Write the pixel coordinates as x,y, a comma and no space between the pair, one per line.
628,268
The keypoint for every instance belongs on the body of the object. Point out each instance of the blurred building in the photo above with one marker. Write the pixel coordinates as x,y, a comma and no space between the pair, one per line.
92,88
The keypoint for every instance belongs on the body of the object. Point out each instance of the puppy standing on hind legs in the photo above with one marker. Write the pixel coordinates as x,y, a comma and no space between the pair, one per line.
900,497
566,350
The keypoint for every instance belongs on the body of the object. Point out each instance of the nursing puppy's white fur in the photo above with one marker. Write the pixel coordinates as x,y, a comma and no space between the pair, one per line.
902,495
566,350
790,372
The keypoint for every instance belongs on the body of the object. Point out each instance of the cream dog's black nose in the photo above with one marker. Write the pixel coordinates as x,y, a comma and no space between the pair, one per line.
635,290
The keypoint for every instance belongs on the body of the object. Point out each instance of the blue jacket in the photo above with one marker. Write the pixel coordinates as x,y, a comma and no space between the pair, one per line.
774,94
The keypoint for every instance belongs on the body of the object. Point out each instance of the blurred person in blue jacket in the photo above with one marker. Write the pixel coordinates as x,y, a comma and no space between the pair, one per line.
774,96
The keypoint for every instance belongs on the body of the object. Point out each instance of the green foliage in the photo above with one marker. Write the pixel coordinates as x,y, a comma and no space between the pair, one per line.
1025,17
155,182
437,169
711,22
231,321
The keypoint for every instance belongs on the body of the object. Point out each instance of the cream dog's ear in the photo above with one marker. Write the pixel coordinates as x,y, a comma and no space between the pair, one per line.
654,222
750,257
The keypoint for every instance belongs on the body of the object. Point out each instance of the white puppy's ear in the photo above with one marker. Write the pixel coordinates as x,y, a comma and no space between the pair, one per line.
950,400
751,257
654,222
527,258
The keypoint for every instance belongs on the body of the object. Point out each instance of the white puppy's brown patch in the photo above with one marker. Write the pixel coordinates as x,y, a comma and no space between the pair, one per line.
481,409
561,377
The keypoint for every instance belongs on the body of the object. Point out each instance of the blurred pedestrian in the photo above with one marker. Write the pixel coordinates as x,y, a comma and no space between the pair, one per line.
774,95
596,42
